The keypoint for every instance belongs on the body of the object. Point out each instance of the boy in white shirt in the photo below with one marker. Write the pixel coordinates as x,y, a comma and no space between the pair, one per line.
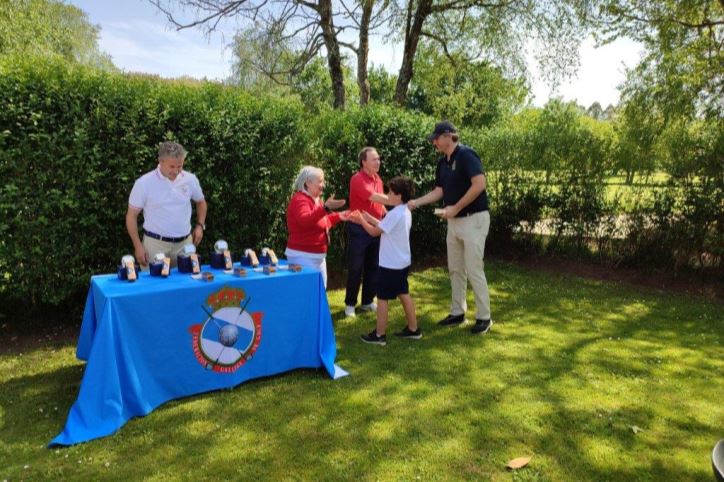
394,261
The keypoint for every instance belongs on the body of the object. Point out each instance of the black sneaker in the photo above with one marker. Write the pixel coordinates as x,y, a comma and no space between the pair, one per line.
481,326
408,333
373,339
451,320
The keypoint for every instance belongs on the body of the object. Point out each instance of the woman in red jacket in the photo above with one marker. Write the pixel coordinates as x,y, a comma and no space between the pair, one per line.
309,220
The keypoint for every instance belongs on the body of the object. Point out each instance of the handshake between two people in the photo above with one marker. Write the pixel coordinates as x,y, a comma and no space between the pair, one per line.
355,216
360,217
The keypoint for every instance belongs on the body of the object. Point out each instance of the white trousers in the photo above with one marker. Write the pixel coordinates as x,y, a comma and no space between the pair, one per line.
313,262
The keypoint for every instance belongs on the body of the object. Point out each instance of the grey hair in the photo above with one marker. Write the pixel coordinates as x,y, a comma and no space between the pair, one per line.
171,149
307,173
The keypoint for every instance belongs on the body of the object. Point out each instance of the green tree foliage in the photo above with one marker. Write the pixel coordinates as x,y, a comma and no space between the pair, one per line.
682,73
49,28
473,94
382,85
498,32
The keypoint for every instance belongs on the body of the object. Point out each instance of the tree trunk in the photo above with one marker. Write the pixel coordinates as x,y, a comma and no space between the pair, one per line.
415,21
334,59
363,52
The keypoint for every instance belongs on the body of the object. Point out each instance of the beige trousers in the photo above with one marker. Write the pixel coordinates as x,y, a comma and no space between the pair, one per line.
465,251
153,246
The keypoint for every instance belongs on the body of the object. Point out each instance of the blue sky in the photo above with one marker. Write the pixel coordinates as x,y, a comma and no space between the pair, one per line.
139,39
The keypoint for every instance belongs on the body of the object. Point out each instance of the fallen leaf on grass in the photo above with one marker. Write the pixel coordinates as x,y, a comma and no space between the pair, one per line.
518,463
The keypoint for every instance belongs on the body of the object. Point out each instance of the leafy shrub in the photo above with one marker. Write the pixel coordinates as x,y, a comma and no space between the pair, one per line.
75,139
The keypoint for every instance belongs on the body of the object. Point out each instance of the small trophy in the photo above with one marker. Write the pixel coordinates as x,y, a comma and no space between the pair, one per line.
250,259
268,257
221,257
127,270
156,265
188,260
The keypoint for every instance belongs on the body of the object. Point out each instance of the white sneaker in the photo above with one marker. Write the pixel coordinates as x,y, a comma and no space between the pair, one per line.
349,312
371,307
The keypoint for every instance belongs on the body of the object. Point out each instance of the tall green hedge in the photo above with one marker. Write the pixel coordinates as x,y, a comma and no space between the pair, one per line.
73,140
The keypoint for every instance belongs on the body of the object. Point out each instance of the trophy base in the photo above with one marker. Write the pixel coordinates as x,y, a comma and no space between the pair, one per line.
218,261
184,264
123,272
156,269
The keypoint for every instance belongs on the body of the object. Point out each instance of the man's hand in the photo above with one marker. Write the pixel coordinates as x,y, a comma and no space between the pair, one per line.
198,234
332,203
449,212
141,256
411,204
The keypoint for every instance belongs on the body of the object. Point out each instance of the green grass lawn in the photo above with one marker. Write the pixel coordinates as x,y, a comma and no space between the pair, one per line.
596,381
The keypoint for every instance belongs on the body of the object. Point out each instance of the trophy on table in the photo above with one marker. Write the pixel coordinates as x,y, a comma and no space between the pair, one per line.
268,261
161,265
221,257
188,260
268,257
128,270
250,259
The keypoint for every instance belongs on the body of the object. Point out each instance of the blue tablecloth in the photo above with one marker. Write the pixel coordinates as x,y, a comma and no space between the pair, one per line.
159,339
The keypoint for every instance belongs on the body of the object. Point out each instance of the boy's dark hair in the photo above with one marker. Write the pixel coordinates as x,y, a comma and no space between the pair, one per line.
403,186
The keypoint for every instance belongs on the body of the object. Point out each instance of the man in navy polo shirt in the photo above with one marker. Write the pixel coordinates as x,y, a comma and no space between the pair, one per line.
461,184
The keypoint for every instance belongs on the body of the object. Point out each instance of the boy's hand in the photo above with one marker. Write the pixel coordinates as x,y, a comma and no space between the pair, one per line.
355,217
345,216
369,218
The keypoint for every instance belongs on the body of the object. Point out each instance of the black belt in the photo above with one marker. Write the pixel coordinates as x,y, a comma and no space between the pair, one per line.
164,238
470,213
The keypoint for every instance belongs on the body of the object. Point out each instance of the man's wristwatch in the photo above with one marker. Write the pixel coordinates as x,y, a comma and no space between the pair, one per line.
203,226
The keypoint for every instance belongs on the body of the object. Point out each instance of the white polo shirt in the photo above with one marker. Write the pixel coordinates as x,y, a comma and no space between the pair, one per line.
166,204
395,239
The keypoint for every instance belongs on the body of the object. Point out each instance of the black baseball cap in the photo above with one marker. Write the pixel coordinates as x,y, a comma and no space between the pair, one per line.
444,127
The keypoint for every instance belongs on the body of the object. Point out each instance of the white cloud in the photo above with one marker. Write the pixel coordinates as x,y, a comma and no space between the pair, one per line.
599,75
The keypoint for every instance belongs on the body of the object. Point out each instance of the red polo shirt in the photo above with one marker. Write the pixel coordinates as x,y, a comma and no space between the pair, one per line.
361,187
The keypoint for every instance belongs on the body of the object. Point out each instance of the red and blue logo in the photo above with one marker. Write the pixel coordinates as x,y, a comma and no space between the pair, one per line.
230,335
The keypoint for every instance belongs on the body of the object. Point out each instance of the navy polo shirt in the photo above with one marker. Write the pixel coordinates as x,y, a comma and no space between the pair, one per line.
454,176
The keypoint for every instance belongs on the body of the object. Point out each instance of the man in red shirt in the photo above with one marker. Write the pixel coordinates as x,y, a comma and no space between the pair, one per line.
365,194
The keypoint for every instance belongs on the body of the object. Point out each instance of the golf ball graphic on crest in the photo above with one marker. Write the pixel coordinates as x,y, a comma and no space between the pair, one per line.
230,334
227,334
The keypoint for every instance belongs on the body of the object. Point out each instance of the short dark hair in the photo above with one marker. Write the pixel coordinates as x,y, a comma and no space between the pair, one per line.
403,186
363,154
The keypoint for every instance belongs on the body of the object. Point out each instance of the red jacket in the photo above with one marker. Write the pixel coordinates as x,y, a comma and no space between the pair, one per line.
308,223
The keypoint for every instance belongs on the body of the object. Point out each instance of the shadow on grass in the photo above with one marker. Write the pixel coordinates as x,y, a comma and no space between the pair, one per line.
597,381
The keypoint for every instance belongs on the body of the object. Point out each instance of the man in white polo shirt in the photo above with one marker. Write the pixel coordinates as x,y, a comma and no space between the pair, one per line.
164,195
